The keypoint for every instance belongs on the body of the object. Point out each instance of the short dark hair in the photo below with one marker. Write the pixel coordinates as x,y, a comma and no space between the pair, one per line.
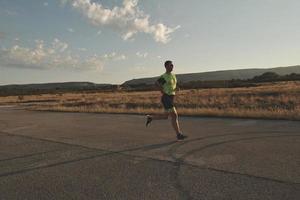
168,62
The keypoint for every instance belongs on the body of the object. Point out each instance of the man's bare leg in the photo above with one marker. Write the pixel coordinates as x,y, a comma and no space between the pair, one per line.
174,120
150,118
175,124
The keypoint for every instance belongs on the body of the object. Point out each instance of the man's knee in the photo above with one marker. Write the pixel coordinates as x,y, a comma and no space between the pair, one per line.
174,114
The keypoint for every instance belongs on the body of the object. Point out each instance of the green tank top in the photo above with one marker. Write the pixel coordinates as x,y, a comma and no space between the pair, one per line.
168,82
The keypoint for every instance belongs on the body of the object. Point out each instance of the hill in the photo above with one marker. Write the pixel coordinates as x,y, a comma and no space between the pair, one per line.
52,88
192,80
242,74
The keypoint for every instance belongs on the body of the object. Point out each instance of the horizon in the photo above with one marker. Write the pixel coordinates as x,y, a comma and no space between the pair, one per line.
110,42
33,83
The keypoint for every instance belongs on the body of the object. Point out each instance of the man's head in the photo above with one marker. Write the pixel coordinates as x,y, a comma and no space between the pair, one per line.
169,66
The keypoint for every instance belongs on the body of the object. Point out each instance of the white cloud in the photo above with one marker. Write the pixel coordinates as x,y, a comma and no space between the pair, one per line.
45,3
64,2
99,32
121,57
59,46
71,30
141,55
127,20
114,56
82,49
55,55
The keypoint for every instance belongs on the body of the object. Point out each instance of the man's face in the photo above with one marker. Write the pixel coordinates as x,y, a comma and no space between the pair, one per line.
169,67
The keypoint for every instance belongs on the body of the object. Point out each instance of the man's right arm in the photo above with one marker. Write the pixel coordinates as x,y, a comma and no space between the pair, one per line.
159,83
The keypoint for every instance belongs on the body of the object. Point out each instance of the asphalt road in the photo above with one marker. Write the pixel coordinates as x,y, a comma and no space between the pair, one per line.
52,155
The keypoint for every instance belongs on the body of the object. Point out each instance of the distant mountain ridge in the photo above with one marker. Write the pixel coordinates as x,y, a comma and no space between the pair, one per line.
16,89
219,75
39,88
61,85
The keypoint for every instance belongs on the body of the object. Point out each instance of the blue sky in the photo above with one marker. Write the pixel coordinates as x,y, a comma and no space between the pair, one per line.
111,41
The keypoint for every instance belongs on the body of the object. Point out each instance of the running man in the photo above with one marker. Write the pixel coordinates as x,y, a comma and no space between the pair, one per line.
167,85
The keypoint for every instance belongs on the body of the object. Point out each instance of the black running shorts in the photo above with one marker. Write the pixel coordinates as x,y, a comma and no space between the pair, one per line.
168,102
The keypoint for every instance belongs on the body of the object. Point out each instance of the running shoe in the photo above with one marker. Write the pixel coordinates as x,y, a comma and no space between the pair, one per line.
149,120
181,137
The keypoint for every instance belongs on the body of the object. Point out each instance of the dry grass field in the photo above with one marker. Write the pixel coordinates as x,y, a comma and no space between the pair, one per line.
279,100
